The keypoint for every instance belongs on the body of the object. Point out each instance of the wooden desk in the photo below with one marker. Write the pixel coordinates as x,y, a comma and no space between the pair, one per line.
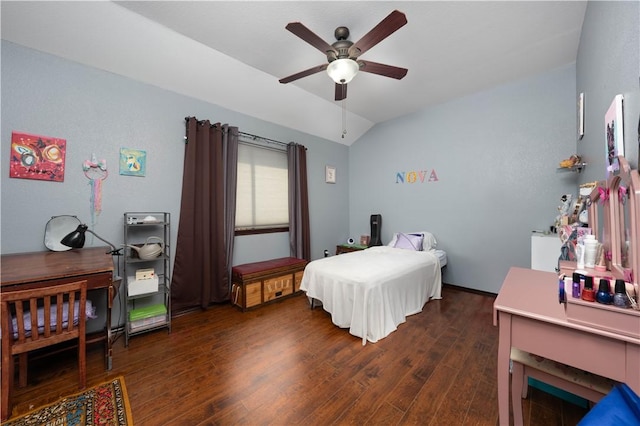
531,319
22,271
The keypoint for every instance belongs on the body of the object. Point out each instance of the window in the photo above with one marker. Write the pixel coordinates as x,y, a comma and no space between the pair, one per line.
262,203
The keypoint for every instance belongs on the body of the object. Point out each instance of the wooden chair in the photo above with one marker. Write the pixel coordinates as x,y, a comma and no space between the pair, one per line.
21,334
524,365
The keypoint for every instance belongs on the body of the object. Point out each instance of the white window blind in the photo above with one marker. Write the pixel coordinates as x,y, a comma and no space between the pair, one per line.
262,193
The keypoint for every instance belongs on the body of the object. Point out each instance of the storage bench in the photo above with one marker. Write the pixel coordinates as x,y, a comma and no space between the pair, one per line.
257,283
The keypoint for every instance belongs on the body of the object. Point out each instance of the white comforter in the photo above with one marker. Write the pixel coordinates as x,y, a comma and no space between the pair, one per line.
372,291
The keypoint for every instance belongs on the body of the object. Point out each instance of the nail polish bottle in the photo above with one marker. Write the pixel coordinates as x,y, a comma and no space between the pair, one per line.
568,283
588,293
620,297
603,295
575,288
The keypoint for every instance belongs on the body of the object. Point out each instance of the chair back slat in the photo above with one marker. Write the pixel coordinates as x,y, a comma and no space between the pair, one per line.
47,316
59,299
19,321
33,307
59,305
72,298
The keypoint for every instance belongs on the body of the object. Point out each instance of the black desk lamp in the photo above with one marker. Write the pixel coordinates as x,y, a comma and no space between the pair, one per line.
76,239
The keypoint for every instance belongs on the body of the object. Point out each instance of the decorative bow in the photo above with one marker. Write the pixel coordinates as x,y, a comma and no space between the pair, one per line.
604,194
628,275
622,194
93,163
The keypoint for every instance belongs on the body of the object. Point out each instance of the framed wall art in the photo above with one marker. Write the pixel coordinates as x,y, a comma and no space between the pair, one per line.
133,162
614,140
580,116
37,157
330,174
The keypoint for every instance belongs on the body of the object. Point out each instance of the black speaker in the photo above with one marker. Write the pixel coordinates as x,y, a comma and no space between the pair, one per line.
376,225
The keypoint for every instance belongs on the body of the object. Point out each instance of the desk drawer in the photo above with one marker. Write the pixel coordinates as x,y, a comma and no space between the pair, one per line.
604,317
99,280
586,351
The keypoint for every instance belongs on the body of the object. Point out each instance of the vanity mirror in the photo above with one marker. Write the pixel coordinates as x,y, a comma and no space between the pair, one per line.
599,217
624,190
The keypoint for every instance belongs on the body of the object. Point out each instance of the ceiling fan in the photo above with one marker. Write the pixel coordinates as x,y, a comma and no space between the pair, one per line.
342,56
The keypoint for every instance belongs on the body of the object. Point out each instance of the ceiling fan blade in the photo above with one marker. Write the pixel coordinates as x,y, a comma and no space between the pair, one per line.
310,37
304,73
382,69
341,91
384,29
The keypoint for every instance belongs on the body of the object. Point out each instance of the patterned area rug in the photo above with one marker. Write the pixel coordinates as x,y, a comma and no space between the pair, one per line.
105,404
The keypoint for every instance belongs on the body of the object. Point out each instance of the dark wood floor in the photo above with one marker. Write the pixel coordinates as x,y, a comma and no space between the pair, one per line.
286,364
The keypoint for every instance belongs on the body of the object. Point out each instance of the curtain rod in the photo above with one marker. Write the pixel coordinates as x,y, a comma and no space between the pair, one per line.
256,137
252,136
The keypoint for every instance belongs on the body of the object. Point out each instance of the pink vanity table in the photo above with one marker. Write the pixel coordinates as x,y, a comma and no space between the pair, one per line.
530,318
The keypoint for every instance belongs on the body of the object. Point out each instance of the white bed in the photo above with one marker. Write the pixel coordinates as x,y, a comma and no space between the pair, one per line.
372,291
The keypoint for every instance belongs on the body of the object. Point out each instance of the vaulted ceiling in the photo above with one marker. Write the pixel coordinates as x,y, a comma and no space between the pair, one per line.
232,53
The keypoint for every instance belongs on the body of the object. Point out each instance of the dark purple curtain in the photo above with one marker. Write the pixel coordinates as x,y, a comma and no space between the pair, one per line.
299,233
203,248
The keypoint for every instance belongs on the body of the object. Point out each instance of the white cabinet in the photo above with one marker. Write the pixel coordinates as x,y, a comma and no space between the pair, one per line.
545,251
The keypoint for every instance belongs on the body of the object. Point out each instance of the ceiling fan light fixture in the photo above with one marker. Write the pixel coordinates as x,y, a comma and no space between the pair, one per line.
342,71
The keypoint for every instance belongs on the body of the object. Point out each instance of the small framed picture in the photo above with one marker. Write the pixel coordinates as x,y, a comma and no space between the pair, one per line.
133,162
614,136
581,116
330,174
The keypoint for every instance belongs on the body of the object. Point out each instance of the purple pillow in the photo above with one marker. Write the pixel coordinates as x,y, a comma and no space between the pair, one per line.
409,242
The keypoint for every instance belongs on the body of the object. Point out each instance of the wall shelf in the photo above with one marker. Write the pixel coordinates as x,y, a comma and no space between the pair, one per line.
578,167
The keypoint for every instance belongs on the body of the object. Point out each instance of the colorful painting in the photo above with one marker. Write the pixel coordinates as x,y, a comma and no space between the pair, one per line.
614,136
37,157
133,162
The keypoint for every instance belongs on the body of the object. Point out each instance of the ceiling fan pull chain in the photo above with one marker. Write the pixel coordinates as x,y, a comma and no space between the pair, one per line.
344,117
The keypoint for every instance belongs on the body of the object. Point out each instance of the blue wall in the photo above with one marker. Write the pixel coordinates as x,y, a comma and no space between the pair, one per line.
495,155
100,112
609,64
